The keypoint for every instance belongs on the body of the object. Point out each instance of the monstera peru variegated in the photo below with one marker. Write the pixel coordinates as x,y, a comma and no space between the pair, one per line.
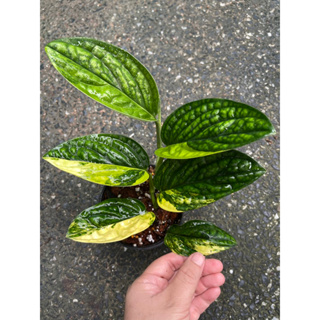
197,166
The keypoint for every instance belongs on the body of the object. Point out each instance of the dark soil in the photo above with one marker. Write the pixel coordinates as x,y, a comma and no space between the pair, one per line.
164,219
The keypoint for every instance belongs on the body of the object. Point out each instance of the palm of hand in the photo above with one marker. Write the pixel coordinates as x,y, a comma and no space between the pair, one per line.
174,288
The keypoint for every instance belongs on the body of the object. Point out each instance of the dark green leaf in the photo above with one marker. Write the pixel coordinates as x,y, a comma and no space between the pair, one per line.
193,183
110,220
107,74
107,159
197,236
209,126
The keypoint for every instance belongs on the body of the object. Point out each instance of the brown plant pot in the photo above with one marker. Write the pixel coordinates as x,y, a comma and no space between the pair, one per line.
172,218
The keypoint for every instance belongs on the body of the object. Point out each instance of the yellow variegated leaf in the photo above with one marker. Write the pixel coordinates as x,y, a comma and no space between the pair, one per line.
106,159
105,174
198,236
181,151
193,183
209,126
110,221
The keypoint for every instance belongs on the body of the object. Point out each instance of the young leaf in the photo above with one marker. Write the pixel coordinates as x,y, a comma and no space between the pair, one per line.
110,220
197,236
107,74
209,126
107,159
194,183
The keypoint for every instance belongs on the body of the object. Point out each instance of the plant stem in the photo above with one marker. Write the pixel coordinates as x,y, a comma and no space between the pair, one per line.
158,161
159,142
152,192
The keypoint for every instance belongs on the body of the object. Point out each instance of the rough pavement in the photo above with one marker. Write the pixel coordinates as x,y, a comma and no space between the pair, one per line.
194,49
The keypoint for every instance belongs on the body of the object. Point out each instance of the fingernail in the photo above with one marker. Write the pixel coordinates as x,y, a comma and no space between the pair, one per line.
198,258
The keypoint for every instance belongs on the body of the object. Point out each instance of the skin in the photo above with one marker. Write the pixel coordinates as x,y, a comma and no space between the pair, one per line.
175,288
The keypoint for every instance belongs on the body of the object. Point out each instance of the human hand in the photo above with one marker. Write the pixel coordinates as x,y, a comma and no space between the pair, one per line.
175,288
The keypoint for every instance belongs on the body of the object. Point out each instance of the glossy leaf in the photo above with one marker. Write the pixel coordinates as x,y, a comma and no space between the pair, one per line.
197,236
110,220
194,183
209,126
106,159
107,74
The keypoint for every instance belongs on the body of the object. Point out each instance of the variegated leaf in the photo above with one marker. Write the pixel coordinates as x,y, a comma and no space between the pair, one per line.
106,159
209,126
110,220
194,183
198,236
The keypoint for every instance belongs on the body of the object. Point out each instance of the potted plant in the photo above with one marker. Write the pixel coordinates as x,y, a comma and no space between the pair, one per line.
197,166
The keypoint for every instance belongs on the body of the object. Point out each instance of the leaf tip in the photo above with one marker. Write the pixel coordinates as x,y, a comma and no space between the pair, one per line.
233,241
47,48
70,235
273,130
47,158
263,170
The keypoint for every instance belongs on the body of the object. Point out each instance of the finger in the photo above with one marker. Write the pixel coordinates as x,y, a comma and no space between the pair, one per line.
211,281
165,266
185,282
202,302
212,266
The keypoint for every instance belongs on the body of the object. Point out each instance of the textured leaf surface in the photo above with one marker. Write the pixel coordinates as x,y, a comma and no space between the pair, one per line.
107,74
208,126
197,236
107,159
194,183
110,220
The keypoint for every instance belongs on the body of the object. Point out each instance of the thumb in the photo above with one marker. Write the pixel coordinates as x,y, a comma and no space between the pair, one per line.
185,282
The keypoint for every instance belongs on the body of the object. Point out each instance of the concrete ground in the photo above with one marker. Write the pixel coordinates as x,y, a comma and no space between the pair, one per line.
194,49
